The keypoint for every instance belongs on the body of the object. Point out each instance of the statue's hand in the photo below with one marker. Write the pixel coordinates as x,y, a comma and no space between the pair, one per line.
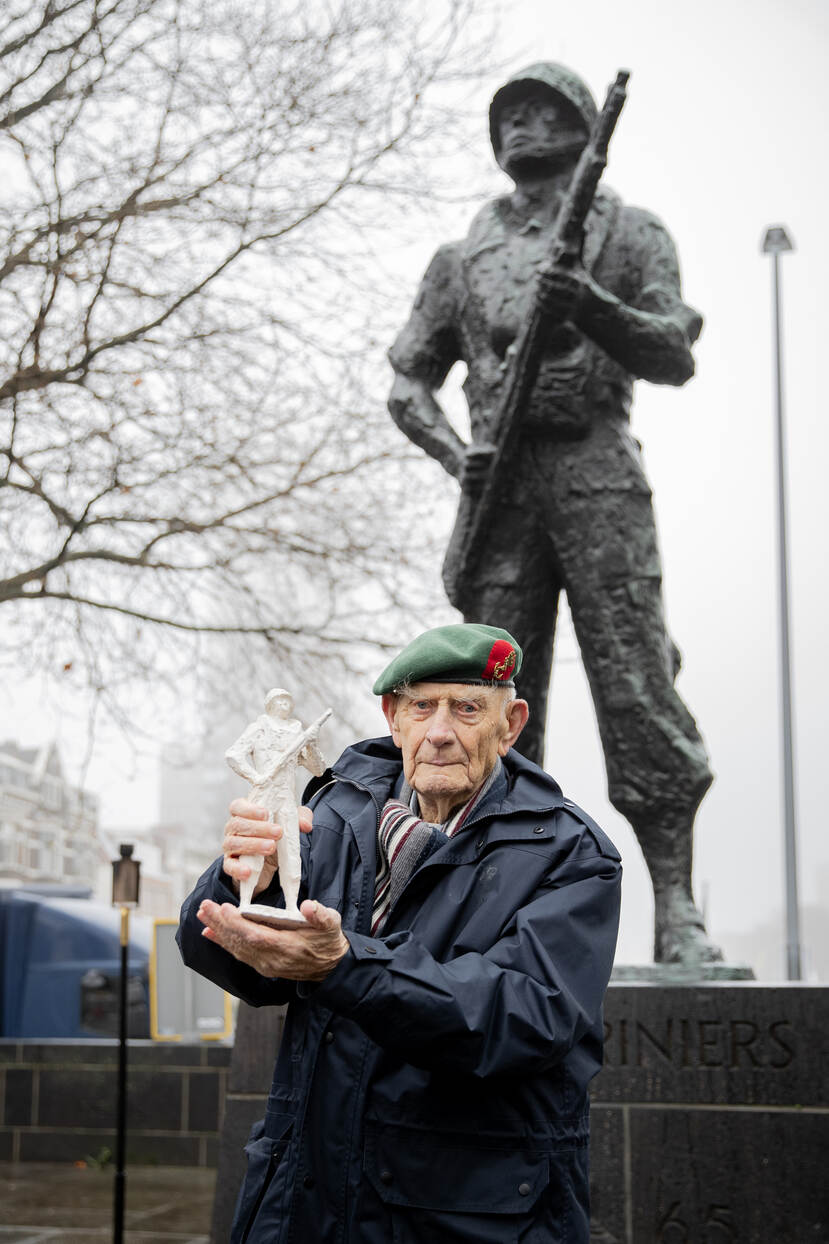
563,291
250,831
476,466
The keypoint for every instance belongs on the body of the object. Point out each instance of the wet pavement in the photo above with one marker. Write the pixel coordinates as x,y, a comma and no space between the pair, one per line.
42,1203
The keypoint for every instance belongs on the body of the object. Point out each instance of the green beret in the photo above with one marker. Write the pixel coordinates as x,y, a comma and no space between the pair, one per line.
468,652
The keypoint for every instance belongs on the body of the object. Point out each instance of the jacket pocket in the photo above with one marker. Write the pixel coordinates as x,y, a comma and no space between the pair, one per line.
264,1153
455,1188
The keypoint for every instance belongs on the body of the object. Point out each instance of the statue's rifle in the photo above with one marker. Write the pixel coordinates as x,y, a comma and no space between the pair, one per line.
477,504
308,736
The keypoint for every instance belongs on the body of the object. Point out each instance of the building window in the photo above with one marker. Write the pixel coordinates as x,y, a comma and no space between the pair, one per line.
51,793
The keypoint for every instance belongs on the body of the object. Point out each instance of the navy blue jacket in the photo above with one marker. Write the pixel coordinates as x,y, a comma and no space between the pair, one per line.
434,1086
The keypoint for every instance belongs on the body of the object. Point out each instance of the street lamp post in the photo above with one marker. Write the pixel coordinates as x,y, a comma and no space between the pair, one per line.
126,880
775,243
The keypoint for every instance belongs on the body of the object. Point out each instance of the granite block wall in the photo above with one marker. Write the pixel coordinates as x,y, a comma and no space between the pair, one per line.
57,1101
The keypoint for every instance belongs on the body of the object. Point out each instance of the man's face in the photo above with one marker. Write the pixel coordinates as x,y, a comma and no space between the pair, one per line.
450,735
539,130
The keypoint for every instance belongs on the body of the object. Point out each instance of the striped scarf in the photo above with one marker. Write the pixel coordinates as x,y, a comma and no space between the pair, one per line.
405,841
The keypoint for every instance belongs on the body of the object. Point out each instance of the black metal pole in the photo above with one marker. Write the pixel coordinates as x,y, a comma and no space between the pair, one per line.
121,1118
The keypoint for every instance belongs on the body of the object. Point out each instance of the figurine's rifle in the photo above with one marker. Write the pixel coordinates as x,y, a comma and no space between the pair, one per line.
308,736
477,503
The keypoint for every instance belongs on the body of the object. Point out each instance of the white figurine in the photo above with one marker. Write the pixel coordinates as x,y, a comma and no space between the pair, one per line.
267,755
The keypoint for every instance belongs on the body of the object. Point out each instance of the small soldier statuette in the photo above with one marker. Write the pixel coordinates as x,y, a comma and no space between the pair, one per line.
267,755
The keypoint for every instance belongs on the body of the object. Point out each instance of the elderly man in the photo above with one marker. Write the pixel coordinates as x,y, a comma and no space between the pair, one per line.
575,510
445,997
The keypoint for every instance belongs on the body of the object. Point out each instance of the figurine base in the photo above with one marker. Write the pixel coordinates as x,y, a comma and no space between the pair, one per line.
275,917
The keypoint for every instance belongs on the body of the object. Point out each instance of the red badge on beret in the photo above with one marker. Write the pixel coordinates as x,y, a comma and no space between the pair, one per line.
500,662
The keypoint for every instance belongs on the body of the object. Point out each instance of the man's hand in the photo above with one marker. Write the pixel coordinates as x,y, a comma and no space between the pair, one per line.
307,954
250,831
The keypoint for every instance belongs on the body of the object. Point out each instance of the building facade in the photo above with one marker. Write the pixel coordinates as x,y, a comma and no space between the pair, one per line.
48,827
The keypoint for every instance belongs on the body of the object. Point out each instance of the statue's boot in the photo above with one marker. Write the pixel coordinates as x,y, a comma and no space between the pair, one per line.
679,929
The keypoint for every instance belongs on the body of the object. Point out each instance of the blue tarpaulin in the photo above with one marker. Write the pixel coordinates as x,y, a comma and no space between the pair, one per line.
60,966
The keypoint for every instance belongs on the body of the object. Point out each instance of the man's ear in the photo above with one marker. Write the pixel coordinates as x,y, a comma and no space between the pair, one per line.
517,712
390,702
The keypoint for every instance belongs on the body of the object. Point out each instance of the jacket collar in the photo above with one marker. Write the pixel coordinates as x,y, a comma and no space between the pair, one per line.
376,764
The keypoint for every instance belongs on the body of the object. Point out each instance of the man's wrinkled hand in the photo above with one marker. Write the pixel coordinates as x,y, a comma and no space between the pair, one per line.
308,953
250,831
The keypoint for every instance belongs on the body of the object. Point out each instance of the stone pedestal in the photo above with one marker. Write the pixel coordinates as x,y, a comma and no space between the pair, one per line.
710,1120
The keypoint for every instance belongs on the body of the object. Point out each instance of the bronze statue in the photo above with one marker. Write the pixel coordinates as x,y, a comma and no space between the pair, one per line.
566,502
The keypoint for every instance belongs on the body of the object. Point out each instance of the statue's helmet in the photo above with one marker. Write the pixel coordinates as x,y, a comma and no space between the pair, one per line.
279,702
556,78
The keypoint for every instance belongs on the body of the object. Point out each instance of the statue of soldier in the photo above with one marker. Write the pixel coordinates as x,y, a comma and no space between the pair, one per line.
574,508
266,755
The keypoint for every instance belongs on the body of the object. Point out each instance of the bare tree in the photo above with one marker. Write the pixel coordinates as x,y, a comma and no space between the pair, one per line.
192,433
